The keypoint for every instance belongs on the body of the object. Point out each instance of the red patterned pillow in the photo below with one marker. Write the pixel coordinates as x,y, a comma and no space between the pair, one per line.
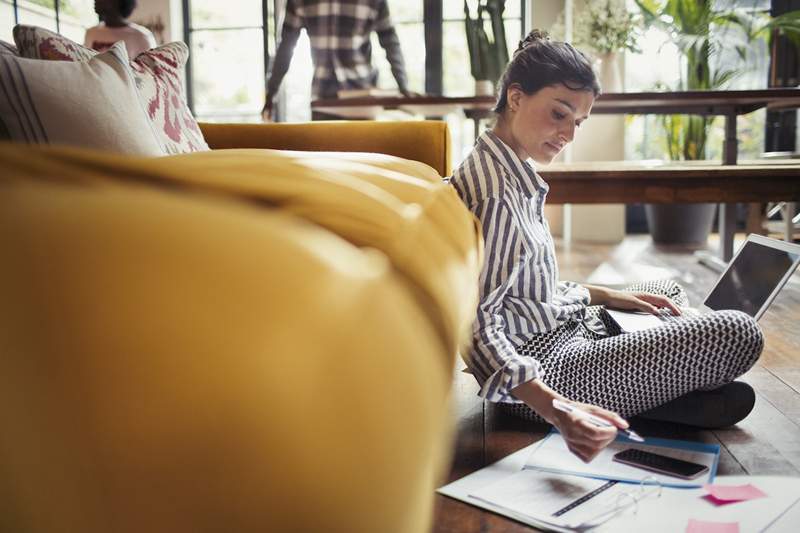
159,78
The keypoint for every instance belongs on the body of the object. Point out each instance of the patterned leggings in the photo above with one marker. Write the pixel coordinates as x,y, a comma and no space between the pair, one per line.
633,372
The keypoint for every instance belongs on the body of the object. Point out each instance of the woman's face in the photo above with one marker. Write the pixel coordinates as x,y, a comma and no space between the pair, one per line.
543,123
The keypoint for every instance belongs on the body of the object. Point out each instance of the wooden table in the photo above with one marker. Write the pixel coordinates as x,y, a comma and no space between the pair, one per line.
729,104
658,183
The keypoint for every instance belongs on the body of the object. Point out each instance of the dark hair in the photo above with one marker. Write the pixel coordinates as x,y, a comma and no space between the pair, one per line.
126,7
540,62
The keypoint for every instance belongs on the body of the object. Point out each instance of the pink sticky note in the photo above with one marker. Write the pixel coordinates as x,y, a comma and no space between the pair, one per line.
733,493
701,526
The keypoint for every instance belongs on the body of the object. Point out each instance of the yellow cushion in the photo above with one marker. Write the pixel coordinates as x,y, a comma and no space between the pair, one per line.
191,343
425,141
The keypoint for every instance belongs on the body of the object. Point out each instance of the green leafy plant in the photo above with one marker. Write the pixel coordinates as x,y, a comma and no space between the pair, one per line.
602,27
695,28
607,27
488,54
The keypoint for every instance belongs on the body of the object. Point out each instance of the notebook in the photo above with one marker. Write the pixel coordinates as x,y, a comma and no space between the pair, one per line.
552,455
752,280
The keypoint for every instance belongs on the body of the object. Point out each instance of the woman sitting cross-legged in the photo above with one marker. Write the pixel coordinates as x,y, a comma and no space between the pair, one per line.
536,338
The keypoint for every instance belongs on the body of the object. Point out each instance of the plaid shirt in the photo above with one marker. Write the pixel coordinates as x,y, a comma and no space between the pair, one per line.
341,50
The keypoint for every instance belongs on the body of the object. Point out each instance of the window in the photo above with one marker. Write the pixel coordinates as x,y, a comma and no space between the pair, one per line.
660,65
229,43
457,79
68,17
409,22
232,43
454,76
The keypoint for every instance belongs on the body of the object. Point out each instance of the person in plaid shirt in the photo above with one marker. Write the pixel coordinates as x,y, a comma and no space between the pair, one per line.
341,51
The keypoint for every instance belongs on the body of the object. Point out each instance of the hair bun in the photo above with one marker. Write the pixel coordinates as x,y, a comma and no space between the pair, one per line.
534,36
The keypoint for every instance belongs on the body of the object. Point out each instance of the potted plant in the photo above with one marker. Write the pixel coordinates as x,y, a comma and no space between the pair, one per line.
488,55
604,29
608,28
694,27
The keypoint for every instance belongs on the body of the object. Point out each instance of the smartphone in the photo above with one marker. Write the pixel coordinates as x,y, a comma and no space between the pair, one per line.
660,463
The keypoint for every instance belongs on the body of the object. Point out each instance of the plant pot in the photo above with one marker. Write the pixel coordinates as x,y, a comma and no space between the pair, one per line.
682,224
608,72
484,88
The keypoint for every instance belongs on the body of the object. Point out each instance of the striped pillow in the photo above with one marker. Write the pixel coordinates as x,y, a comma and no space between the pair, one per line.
93,104
159,75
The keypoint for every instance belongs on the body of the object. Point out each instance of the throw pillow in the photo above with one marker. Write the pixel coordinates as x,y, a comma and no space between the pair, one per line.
93,104
159,77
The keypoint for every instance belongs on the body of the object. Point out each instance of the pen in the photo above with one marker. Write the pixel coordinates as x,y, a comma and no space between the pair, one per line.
596,420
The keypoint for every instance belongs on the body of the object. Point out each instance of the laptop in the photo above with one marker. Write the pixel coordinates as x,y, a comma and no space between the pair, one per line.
755,275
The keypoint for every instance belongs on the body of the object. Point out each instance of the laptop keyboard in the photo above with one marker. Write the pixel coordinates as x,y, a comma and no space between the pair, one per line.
666,315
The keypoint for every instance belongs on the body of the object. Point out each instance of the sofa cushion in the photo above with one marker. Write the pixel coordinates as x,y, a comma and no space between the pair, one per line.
6,48
227,341
159,75
92,104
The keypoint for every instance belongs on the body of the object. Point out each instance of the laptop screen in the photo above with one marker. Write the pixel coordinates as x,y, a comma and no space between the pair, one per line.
751,279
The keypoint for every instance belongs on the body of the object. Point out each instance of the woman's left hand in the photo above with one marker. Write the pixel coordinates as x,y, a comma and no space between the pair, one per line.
639,301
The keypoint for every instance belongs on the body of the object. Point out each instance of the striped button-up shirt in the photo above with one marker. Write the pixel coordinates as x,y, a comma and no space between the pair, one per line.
341,49
520,295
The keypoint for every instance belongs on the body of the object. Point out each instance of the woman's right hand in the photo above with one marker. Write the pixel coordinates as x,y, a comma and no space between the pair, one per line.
583,438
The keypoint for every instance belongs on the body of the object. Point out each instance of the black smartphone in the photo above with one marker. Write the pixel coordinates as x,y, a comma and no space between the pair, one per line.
660,463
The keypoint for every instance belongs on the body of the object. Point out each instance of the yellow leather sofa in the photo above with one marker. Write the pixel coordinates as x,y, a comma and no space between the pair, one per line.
242,340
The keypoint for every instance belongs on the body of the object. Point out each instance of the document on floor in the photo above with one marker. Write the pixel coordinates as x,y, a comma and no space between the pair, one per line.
562,501
533,497
552,455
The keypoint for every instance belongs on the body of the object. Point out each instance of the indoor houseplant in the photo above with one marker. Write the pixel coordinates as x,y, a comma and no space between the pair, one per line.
488,51
694,27
603,29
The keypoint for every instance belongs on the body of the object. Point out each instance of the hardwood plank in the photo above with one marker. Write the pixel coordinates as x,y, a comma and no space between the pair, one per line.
782,396
772,436
757,444
468,456
780,325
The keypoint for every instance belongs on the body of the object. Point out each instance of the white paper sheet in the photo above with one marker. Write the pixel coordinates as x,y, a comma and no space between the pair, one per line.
779,512
673,509
540,495
628,321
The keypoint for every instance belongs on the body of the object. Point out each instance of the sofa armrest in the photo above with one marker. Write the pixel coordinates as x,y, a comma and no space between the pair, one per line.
424,141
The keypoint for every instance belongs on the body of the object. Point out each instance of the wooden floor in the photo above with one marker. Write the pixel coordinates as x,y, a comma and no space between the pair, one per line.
766,442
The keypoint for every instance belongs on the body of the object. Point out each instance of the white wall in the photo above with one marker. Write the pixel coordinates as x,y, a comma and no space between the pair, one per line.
168,11
6,21
601,138
543,15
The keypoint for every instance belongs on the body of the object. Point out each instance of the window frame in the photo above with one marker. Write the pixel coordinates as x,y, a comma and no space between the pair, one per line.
433,20
56,12
187,38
